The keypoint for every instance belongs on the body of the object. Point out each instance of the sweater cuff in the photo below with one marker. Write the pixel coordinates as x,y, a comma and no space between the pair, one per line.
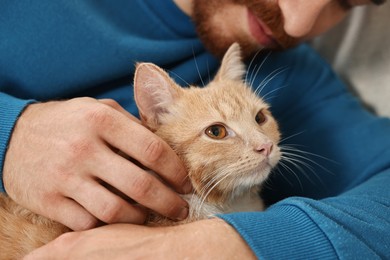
10,110
282,232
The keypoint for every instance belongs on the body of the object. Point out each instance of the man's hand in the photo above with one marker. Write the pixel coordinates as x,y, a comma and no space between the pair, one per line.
206,239
61,153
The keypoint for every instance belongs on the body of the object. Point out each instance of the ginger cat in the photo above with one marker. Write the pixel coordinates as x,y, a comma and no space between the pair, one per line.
224,134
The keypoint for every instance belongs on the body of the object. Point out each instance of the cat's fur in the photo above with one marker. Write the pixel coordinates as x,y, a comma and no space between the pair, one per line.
226,173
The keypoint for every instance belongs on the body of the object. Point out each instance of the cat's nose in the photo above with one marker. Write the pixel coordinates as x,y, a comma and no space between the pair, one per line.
264,148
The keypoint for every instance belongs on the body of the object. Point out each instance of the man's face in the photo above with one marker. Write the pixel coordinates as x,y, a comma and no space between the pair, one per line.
274,24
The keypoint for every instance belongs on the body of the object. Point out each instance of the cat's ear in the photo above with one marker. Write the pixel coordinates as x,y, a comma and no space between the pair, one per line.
154,91
232,66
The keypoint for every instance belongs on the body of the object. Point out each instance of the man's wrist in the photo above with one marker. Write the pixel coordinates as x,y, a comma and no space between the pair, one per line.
216,238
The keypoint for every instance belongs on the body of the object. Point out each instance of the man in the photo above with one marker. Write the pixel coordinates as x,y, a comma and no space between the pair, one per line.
59,152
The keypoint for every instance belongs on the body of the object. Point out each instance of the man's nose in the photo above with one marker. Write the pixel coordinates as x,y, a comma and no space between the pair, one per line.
301,15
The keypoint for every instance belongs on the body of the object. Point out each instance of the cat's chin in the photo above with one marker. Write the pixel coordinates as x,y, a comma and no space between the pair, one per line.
256,177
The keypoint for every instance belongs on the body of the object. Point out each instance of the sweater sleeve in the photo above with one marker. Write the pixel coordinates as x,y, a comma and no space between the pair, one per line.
353,225
339,207
10,109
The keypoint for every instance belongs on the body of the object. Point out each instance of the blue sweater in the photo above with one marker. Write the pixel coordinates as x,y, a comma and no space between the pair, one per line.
332,204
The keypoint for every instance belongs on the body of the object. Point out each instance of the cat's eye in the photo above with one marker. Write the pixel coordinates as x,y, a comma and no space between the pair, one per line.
217,131
260,117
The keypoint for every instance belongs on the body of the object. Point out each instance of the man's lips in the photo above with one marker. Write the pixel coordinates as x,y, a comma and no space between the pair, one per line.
260,31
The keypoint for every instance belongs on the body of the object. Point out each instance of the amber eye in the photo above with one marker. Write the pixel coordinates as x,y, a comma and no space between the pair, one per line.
260,117
216,131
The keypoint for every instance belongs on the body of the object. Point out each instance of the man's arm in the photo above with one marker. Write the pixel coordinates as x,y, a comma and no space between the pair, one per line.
207,239
60,154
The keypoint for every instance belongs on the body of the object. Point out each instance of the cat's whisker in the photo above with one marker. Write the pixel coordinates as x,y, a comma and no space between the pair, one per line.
194,211
255,72
250,65
308,159
178,76
270,98
233,184
288,169
202,196
268,79
197,68
230,186
234,187
293,149
264,97
213,183
208,70
270,75
296,163
298,158
291,136
268,181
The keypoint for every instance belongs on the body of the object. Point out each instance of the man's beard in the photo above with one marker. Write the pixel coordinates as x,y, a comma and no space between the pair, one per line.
217,42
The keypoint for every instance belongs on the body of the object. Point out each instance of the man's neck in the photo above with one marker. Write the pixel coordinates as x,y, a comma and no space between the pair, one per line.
185,6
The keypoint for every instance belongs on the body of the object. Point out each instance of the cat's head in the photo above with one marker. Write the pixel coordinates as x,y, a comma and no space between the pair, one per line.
224,133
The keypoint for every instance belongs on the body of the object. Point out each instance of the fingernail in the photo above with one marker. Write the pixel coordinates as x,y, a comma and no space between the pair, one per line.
183,214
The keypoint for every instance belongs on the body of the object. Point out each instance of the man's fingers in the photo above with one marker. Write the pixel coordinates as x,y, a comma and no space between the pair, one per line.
143,187
71,214
107,206
142,145
115,105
